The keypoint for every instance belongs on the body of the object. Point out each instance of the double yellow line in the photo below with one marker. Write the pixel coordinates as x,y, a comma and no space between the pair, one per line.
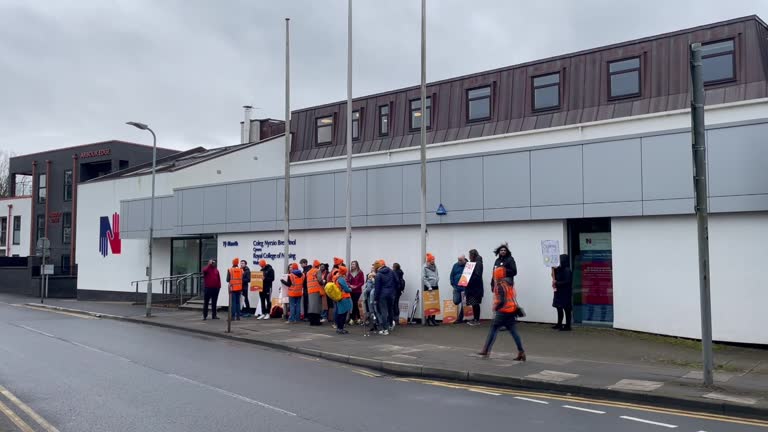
646,408
18,421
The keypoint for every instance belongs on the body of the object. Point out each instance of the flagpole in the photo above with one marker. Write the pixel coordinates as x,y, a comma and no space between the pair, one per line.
349,135
423,132
287,203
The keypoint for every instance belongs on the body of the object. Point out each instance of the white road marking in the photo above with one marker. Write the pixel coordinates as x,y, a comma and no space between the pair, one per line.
30,412
485,392
583,409
649,422
36,331
532,400
233,395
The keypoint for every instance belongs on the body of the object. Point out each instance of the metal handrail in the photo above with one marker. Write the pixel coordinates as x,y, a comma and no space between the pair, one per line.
182,279
166,283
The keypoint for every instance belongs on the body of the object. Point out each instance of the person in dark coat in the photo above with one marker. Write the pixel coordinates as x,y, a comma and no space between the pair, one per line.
458,291
386,285
400,289
212,283
504,259
266,293
305,267
246,283
562,285
475,288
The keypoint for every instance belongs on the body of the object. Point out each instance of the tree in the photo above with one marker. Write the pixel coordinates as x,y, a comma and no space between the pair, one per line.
5,177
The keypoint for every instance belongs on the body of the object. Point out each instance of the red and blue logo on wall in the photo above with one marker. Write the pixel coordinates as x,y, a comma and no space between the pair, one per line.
109,235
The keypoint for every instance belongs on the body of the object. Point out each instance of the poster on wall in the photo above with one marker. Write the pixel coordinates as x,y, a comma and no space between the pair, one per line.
257,281
595,269
431,302
550,252
467,274
450,312
405,309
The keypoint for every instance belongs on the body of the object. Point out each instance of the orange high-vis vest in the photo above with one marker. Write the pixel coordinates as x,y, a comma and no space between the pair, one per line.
297,286
509,306
344,294
313,286
236,278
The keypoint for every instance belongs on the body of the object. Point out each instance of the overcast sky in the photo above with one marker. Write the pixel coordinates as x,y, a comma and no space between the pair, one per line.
73,71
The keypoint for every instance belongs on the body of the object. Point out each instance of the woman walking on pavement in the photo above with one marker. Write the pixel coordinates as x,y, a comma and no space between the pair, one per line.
430,280
562,285
475,289
506,309
356,282
344,305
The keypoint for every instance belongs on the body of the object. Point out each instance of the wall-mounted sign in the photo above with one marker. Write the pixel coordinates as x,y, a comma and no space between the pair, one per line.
54,217
95,153
441,210
261,250
230,243
109,235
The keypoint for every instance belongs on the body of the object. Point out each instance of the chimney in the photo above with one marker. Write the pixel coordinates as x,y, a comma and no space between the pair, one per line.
245,129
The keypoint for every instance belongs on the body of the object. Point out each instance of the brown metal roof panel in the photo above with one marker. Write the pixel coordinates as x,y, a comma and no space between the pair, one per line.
591,86
504,96
501,127
543,121
756,90
367,146
430,138
558,118
410,140
489,129
528,124
518,98
451,134
573,117
588,114
678,64
605,112
440,135
659,68
575,83
463,133
623,109
313,154
476,130
640,106
658,104
677,101
734,93
515,125
714,96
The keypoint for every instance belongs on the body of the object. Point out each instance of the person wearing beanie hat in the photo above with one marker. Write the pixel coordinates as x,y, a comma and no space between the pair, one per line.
235,281
314,288
506,309
295,284
385,287
305,267
265,296
344,305
246,283
430,280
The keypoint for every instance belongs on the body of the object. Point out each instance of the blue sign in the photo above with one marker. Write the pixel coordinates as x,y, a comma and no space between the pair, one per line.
441,210
229,243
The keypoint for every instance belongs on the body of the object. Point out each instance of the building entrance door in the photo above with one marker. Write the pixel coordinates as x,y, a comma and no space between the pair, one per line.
190,255
591,252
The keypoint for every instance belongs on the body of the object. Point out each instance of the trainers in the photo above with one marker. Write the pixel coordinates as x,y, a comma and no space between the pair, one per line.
323,320
266,317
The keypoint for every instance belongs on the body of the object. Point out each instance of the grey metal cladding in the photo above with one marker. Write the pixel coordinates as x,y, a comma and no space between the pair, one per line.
264,201
215,205
612,172
319,189
297,198
507,181
412,188
191,206
556,176
461,181
125,217
385,191
667,167
238,208
137,212
737,158
359,194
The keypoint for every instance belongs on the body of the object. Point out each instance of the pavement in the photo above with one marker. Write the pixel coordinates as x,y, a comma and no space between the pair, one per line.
589,362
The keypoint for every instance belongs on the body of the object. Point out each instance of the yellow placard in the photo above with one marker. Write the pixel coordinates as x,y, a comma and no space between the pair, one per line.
431,302
257,281
450,312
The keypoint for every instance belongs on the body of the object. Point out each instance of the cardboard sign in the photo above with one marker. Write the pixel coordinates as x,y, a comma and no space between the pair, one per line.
469,313
450,312
431,302
257,281
550,252
405,309
469,268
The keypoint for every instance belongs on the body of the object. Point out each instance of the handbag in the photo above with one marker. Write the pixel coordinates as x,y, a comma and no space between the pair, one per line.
519,311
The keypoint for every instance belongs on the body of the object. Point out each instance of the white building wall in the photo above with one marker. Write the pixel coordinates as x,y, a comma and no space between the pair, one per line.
401,244
115,272
655,276
17,206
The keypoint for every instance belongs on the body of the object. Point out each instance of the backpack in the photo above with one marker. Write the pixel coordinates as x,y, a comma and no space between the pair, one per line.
276,312
333,291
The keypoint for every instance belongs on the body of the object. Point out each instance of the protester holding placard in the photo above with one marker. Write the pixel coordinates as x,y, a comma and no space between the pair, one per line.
475,288
458,290
430,280
562,285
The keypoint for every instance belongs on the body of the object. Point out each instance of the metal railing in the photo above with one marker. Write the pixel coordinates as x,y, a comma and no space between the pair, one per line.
172,288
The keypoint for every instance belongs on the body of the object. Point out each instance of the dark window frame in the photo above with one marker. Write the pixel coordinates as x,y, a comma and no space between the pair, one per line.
381,115
68,186
16,239
490,103
357,120
39,227
318,127
3,231
732,53
411,111
42,186
64,217
638,70
534,87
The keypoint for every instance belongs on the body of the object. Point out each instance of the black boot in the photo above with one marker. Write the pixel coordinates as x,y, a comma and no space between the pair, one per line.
557,327
435,323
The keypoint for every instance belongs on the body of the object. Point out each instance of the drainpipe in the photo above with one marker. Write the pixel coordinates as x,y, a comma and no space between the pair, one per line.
9,231
73,229
33,217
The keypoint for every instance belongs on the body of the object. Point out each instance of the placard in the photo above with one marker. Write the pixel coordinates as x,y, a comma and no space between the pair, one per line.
450,312
469,268
405,309
257,281
431,302
469,313
550,252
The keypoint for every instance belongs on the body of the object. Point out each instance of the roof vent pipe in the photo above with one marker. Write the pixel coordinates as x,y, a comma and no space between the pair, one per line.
245,129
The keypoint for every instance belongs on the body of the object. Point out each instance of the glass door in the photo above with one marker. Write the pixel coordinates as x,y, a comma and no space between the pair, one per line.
185,259
590,244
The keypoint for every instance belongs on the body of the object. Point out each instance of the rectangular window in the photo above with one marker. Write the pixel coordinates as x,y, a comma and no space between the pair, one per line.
717,62
416,114
624,78
68,185
65,263
479,104
66,228
40,227
3,231
325,130
356,125
17,230
384,120
546,92
42,189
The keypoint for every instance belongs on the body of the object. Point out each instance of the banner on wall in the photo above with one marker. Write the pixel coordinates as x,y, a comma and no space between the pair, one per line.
257,281
405,309
431,302
450,312
467,274
550,252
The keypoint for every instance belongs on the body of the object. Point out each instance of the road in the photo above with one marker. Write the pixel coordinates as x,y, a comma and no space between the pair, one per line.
77,374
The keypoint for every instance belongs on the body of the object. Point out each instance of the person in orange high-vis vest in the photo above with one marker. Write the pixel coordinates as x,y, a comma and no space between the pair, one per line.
343,306
506,307
295,284
314,290
235,280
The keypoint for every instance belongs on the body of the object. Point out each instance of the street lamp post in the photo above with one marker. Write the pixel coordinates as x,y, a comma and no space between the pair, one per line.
142,126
